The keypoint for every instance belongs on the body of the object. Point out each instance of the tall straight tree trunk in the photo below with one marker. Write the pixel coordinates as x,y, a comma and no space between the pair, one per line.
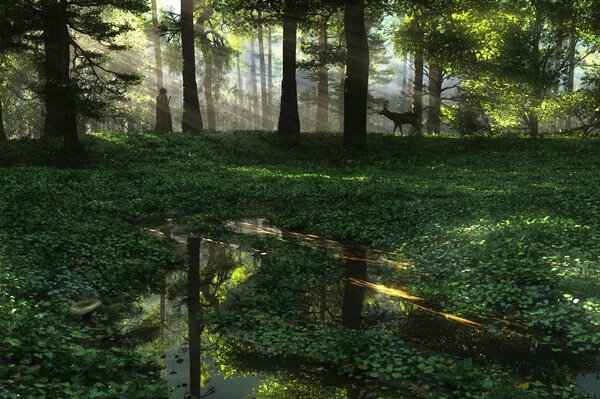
289,119
342,90
208,69
404,90
193,305
263,79
3,136
270,94
240,93
192,118
435,101
322,78
60,118
157,48
418,88
357,76
254,84
571,75
354,295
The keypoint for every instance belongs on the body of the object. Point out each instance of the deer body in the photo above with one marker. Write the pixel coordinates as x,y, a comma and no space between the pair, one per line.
402,118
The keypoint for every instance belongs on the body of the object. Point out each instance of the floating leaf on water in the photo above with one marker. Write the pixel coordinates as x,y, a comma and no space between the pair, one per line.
84,307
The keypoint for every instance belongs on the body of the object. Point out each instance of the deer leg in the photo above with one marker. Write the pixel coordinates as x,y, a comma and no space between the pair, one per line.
401,132
395,127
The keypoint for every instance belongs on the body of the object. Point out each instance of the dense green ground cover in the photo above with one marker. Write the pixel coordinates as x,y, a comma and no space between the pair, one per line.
491,228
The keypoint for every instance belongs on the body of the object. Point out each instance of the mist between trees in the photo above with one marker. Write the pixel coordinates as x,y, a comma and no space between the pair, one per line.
461,66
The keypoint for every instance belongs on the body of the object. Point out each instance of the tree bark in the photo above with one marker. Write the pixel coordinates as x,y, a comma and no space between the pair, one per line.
322,78
240,92
3,136
208,69
418,88
254,84
265,123
192,118
59,95
270,89
289,119
404,104
193,304
342,90
571,76
354,295
357,76
435,102
157,48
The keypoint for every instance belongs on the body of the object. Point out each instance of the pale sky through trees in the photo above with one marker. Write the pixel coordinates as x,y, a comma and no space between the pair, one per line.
175,4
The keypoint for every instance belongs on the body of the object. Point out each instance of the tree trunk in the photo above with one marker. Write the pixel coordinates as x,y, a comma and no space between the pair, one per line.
266,123
193,304
404,104
533,123
354,295
157,48
208,69
418,88
571,76
322,78
192,118
3,136
357,76
270,91
342,90
59,95
435,102
240,92
289,119
254,84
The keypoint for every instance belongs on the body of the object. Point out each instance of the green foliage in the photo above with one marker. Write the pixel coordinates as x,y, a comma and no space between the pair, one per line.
489,227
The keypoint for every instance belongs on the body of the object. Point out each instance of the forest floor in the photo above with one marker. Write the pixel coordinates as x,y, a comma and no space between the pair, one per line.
502,233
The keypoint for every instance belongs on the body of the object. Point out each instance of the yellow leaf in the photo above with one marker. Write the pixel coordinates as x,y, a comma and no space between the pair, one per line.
523,385
361,366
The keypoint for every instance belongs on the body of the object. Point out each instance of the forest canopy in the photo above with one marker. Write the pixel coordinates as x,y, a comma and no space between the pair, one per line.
461,66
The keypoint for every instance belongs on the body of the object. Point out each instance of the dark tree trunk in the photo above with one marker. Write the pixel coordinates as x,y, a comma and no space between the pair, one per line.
533,123
3,136
208,69
59,96
342,90
266,112
322,78
354,294
418,88
270,91
357,76
289,119
571,76
157,48
254,84
193,304
192,118
435,101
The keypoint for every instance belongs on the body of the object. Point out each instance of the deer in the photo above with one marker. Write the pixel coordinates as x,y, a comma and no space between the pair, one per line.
401,118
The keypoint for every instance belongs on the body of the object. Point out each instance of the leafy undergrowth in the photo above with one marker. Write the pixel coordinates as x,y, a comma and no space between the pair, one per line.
494,228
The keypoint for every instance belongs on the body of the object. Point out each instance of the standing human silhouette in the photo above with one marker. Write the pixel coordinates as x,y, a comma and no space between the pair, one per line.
164,121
